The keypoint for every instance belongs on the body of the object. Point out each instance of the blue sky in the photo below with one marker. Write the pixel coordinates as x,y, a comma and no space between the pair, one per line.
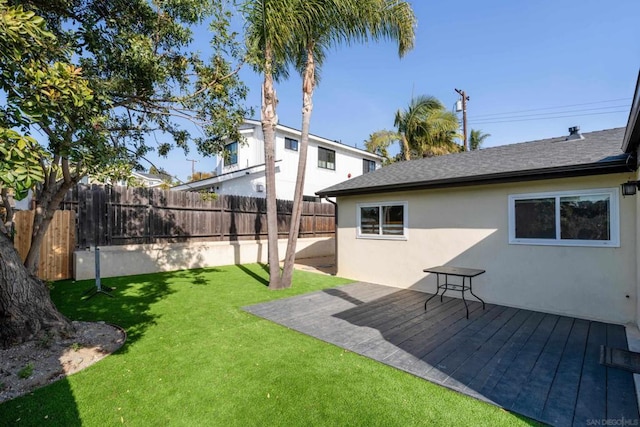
516,60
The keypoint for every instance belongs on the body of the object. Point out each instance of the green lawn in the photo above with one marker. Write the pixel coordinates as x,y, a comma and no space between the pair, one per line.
193,357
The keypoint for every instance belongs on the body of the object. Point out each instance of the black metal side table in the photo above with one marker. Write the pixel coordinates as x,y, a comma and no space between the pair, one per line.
465,273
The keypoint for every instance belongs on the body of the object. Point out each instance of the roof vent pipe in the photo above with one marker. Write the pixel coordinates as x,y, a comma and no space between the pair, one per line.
574,133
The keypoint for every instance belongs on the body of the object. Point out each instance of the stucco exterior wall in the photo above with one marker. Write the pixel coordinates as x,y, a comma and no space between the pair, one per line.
152,258
468,227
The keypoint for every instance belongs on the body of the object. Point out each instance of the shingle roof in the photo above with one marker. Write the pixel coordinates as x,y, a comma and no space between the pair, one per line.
599,152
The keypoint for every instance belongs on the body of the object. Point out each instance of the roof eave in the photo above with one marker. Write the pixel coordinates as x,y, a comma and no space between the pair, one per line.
504,177
631,139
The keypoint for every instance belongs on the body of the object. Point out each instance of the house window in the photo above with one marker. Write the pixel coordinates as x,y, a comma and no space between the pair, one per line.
382,220
291,144
568,218
231,153
368,166
326,158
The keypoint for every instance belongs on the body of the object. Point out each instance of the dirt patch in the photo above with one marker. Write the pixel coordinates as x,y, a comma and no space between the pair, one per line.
32,365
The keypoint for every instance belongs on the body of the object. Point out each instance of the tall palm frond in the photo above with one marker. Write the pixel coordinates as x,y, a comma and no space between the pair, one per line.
426,124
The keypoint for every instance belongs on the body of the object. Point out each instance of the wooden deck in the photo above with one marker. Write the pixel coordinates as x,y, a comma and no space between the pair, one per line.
539,365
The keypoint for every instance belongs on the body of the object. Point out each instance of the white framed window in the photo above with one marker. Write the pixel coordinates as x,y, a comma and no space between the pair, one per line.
291,144
326,158
565,218
231,153
368,166
384,220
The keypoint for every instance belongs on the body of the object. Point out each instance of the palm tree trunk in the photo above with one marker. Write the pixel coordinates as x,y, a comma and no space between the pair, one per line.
308,83
405,147
269,122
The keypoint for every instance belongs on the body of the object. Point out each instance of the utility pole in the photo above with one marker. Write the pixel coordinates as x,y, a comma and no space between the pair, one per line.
193,167
465,98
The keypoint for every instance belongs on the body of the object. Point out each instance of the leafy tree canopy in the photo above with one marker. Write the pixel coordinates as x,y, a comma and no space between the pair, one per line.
92,86
92,79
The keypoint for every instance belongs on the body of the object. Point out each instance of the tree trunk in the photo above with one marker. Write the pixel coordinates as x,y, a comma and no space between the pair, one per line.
6,223
405,146
269,122
26,309
308,83
46,206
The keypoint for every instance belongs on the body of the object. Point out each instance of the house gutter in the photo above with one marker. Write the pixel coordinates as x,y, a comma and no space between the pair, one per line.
497,178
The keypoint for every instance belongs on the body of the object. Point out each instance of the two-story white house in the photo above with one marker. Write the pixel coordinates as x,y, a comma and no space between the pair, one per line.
241,170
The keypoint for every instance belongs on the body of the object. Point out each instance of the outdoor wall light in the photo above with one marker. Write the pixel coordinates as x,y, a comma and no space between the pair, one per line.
629,188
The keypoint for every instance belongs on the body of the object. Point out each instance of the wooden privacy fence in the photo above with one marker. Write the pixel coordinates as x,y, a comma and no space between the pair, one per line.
56,252
121,215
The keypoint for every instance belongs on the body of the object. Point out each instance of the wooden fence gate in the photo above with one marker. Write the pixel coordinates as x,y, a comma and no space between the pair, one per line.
56,252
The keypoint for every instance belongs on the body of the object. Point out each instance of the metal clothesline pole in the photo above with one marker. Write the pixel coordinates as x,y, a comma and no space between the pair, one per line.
98,289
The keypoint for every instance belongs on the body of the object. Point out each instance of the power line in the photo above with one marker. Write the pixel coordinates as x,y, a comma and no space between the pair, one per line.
551,118
549,114
553,108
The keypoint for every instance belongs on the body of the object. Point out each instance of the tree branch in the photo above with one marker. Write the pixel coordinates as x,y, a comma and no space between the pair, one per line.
5,225
65,170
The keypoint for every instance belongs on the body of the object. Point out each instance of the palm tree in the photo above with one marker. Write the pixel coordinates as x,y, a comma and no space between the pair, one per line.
334,22
299,32
476,138
379,142
270,26
410,122
426,128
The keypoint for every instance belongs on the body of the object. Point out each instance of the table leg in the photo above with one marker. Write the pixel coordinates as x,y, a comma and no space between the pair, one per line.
466,307
446,285
471,290
437,290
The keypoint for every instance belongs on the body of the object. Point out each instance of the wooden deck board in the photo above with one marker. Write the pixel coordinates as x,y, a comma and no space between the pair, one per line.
420,344
564,387
447,313
493,371
379,312
540,365
592,392
461,350
507,389
487,351
620,396
532,397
